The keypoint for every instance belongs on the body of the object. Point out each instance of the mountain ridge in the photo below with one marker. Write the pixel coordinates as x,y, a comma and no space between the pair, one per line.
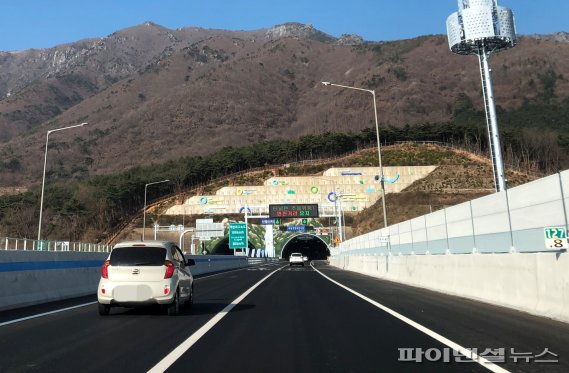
151,94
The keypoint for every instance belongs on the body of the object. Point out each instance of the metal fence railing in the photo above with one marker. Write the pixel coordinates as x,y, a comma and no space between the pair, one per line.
25,244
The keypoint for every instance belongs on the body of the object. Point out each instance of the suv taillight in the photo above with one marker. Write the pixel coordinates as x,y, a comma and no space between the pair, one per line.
169,269
105,269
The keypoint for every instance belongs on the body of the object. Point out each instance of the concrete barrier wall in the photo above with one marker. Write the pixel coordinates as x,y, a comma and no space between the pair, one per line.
537,283
34,277
519,269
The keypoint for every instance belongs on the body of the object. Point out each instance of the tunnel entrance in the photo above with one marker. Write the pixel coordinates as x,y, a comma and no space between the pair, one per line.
309,245
222,247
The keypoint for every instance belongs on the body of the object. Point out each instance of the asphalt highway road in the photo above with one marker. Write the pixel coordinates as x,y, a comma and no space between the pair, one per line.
281,319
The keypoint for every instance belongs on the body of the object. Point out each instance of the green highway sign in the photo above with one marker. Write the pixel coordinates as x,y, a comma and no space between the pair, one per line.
237,236
43,245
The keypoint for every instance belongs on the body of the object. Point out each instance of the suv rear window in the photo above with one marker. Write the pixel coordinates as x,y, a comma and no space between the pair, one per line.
138,256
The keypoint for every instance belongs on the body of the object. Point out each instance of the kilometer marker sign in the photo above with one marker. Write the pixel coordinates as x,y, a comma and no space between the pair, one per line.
555,238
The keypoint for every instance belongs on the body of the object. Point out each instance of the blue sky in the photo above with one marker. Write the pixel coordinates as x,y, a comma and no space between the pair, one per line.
45,23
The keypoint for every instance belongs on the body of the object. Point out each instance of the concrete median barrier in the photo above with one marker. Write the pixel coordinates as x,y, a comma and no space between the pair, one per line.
35,277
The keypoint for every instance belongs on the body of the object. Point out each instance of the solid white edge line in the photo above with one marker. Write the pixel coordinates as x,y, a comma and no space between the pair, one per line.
171,358
45,314
455,346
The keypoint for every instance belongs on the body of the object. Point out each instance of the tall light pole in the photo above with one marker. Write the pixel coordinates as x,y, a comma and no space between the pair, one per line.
44,167
381,176
482,27
144,210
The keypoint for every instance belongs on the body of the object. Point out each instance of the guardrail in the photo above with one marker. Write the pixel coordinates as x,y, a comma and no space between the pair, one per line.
25,244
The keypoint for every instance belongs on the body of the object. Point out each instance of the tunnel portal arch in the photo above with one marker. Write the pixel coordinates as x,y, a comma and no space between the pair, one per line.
310,245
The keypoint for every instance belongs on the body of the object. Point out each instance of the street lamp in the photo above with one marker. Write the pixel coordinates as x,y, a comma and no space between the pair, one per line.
144,210
44,166
381,176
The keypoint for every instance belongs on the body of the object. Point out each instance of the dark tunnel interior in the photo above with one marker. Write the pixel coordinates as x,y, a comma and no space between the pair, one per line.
311,246
222,248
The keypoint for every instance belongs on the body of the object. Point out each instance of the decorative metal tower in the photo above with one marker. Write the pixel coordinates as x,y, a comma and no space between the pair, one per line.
482,27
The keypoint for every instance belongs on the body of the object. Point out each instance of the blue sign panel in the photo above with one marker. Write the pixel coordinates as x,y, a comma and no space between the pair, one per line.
295,228
350,173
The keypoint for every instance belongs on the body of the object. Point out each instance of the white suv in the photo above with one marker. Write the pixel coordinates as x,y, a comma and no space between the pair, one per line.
140,273
296,258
